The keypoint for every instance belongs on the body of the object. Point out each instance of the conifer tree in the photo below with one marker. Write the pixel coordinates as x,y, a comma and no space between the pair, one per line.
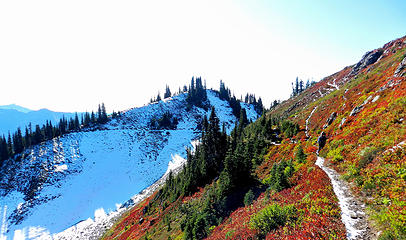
167,92
297,86
104,113
76,124
301,86
4,154
9,145
99,114
93,118
27,138
38,137
18,142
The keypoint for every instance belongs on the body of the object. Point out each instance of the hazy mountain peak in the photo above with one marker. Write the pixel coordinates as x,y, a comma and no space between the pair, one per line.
16,107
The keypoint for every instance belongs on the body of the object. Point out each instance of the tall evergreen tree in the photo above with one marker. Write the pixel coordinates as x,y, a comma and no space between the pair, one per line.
167,92
27,138
9,145
4,154
18,142
307,83
104,113
297,86
76,124
38,137
93,118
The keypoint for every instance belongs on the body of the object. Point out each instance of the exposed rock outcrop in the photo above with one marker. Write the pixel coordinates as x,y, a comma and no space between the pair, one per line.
368,59
342,122
356,110
400,68
330,120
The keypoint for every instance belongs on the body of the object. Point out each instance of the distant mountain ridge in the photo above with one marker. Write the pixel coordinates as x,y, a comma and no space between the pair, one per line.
16,107
13,116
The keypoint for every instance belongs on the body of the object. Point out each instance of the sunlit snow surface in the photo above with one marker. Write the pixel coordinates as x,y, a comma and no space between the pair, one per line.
89,175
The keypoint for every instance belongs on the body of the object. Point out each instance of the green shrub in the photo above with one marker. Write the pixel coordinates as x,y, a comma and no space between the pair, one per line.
387,235
335,154
272,217
289,128
367,155
249,198
300,155
279,177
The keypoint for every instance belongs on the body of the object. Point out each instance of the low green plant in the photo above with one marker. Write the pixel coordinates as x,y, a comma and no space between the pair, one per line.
249,198
335,154
367,155
272,217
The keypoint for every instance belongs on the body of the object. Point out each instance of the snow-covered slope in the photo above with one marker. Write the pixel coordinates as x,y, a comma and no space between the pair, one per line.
68,180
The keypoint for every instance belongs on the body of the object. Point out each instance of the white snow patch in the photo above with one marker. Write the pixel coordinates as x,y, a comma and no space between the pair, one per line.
99,215
38,233
61,168
176,162
397,146
334,84
3,229
375,98
307,121
19,234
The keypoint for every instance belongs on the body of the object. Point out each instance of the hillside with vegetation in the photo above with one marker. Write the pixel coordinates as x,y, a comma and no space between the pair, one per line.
84,172
261,181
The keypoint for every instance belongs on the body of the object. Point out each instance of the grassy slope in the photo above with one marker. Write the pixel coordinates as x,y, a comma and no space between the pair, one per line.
362,150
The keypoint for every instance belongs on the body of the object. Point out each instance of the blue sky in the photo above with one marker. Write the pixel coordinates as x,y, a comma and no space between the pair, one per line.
70,56
351,26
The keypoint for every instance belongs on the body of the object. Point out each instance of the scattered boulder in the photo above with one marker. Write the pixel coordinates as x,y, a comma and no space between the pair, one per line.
330,120
375,98
127,204
400,68
356,110
342,122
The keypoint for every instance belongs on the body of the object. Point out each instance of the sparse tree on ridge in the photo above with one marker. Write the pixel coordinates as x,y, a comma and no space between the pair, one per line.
167,92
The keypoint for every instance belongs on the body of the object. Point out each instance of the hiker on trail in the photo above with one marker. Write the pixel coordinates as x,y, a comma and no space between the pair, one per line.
321,140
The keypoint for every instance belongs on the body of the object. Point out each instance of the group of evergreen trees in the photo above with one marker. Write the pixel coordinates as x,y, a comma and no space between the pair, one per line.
197,95
16,143
225,94
299,86
258,106
230,159
166,121
158,98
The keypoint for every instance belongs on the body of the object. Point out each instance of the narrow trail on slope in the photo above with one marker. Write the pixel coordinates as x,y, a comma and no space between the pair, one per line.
352,210
307,122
